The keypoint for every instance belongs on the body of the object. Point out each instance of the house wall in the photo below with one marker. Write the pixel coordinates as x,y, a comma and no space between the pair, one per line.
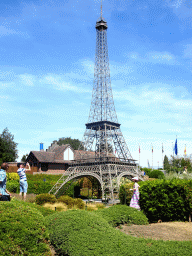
54,169
14,168
68,154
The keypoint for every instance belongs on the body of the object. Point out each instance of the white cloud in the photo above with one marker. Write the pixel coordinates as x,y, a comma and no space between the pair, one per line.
59,84
154,110
161,57
7,31
155,57
187,53
177,3
27,79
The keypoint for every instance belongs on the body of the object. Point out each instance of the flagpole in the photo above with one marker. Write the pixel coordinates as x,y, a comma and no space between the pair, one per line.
176,148
152,157
173,149
185,151
162,156
139,158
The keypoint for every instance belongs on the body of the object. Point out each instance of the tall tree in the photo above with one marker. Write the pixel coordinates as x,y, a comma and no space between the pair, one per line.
73,142
24,158
166,163
8,148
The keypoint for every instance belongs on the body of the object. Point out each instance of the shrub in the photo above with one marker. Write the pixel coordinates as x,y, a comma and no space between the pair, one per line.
77,233
125,193
146,170
168,200
66,200
47,178
12,186
13,176
156,174
45,198
121,214
100,205
44,211
56,206
79,203
91,207
22,230
39,187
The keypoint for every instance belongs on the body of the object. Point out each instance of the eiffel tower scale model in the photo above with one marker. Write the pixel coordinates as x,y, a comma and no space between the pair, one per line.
103,153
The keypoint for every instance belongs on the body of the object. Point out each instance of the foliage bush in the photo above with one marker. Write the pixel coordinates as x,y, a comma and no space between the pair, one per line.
168,200
38,187
121,214
66,200
125,193
146,170
56,206
41,183
12,186
70,202
22,230
44,211
156,174
79,203
45,198
44,177
82,233
13,176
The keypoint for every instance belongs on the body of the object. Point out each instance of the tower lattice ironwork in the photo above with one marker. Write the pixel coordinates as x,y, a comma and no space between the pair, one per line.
103,153
103,134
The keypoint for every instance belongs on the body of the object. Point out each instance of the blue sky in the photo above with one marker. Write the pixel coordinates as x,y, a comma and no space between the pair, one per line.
47,53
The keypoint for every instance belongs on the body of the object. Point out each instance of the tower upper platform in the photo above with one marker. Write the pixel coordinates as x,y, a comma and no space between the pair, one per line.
101,24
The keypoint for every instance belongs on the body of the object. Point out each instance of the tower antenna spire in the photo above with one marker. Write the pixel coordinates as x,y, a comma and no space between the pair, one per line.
101,9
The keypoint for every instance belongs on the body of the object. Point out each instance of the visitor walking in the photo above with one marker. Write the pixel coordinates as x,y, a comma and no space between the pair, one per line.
23,179
4,193
135,198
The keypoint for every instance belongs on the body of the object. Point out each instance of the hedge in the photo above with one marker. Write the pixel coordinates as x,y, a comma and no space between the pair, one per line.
42,183
166,200
45,198
156,174
125,193
70,202
121,214
82,233
22,230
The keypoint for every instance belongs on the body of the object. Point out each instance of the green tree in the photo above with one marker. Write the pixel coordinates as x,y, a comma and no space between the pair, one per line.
8,148
146,170
73,142
176,164
24,158
166,164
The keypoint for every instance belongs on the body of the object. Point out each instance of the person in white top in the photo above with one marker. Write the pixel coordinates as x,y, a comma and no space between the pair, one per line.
23,179
135,198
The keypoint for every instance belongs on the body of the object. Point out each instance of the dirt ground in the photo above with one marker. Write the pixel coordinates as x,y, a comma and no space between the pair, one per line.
180,231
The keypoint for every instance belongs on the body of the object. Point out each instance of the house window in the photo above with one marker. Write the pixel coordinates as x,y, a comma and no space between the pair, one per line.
68,154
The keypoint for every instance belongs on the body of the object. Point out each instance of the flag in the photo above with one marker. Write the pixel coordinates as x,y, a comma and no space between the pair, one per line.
185,150
152,149
148,163
175,148
139,149
162,149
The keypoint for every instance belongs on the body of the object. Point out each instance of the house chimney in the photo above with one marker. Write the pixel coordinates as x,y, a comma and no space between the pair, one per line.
41,147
